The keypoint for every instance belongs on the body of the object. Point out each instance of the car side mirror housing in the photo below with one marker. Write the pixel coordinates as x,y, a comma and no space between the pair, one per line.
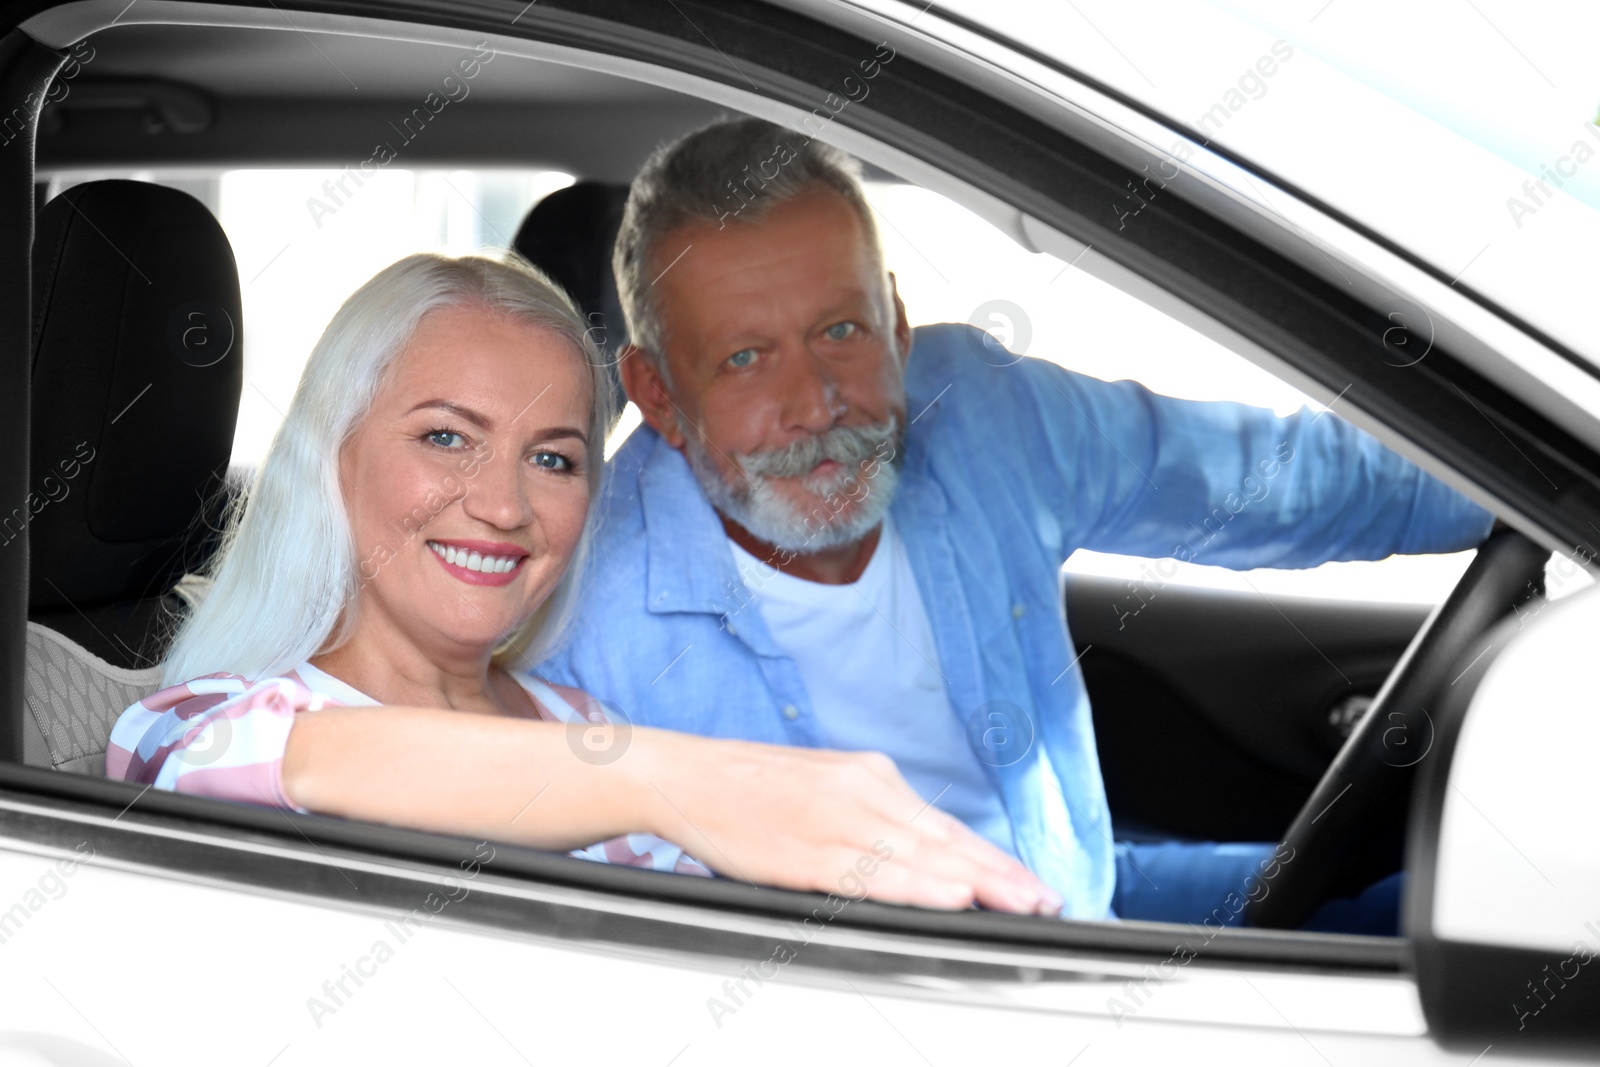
1503,900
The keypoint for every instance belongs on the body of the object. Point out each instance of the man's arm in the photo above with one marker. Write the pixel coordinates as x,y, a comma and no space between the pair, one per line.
1223,483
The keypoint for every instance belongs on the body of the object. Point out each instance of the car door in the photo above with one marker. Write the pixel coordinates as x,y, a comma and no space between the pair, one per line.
161,927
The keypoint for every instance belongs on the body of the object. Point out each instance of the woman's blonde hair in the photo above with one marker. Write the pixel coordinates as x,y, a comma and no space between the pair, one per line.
278,588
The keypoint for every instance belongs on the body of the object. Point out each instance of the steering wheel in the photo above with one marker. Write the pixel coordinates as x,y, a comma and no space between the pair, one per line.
1363,793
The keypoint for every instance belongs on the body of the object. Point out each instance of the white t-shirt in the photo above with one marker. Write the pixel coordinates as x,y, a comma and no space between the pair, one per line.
866,654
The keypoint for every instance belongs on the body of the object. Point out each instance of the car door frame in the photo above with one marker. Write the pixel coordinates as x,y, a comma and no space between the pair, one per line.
1027,151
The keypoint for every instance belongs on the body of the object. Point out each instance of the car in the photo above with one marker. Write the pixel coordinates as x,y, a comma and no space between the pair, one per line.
1174,186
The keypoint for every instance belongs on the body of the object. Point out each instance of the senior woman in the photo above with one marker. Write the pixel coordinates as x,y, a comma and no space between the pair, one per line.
416,530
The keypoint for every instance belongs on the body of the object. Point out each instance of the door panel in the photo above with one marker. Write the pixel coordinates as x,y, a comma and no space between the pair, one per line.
1212,707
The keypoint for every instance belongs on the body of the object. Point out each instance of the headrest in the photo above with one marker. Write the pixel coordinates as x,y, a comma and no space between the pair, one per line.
137,367
569,235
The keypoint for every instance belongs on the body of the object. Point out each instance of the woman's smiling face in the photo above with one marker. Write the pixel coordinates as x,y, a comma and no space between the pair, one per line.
466,483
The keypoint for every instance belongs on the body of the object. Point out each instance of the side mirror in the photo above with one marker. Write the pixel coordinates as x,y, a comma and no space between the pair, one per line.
1504,856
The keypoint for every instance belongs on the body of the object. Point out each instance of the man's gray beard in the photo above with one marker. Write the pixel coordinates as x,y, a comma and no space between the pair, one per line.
752,501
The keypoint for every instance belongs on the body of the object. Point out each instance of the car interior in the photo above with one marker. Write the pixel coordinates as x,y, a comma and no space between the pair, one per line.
1217,711
1188,751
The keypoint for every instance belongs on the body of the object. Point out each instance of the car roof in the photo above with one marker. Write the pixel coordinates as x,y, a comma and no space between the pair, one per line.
287,104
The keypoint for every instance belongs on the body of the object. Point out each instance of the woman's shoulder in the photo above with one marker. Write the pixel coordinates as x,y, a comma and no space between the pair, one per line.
198,695
561,703
218,735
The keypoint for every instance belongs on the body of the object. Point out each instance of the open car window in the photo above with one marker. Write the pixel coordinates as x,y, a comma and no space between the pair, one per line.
303,243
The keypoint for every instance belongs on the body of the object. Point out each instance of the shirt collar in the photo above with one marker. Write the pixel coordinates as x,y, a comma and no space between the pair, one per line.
690,566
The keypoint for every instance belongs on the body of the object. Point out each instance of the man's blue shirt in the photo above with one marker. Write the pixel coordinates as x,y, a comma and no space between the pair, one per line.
1010,465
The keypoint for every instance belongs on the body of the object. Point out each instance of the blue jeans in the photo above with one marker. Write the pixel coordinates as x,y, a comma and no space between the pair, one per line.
1183,882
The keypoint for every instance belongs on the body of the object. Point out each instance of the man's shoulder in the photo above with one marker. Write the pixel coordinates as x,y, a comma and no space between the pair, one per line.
946,348
948,352
966,377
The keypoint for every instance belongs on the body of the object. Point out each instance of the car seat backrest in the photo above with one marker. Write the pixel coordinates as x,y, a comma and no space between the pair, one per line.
74,698
137,368
569,235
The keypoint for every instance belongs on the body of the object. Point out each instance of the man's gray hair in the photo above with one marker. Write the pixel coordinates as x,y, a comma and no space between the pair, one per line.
730,172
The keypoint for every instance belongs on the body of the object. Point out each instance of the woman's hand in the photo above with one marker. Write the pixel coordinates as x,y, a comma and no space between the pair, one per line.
820,820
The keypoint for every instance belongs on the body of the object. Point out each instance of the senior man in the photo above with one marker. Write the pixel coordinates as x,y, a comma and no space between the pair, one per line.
835,530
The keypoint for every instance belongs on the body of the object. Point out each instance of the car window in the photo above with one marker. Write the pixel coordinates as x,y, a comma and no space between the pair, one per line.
303,244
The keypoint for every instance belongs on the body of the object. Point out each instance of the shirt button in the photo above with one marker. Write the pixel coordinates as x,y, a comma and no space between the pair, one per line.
1017,610
732,632
791,712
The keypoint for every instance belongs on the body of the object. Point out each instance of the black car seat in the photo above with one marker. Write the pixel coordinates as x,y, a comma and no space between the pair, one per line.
569,235
137,369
